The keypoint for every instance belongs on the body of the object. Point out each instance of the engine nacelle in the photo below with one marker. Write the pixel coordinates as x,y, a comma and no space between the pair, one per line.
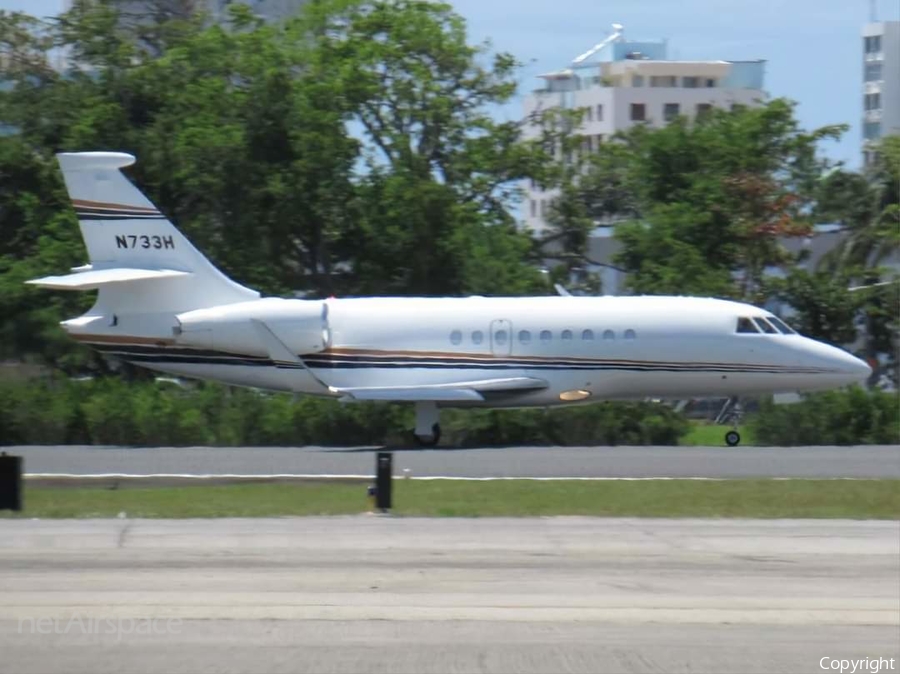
301,325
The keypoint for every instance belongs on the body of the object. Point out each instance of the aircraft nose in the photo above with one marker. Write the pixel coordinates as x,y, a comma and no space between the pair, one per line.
852,369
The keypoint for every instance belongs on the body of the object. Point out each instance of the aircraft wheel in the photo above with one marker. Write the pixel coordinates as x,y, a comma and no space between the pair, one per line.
429,440
732,438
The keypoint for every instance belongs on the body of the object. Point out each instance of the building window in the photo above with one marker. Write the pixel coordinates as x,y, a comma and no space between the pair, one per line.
872,101
546,336
599,113
587,335
543,207
609,335
630,334
566,335
872,72
524,337
455,337
671,111
689,82
710,83
590,113
599,140
637,80
638,112
533,208
477,337
872,44
872,130
662,81
703,109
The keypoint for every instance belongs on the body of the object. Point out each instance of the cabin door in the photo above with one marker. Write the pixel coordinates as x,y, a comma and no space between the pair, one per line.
501,338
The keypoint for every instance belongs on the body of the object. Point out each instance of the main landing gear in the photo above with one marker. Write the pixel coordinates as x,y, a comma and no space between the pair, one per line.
428,427
731,412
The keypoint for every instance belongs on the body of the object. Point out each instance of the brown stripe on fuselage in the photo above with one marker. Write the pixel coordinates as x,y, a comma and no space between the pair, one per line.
113,207
489,356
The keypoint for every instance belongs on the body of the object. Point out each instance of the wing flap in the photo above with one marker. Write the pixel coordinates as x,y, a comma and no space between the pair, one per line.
94,278
452,392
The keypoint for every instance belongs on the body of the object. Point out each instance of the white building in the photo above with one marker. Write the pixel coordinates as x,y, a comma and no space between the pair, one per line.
881,83
619,83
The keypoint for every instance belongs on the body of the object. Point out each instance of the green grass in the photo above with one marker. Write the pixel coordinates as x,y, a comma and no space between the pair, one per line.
713,435
879,499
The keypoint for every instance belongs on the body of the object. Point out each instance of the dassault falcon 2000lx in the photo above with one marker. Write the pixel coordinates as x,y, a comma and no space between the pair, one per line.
162,305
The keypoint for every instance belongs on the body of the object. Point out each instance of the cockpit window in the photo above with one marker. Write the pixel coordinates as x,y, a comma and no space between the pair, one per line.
745,325
783,327
765,326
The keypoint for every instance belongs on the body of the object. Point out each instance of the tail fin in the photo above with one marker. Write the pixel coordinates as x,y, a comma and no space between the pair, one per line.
138,260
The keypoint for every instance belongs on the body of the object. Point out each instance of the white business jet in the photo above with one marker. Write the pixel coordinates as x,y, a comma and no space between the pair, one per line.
162,305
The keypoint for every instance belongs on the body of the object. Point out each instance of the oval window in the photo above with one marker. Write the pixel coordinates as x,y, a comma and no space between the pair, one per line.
587,335
609,334
630,334
566,335
477,337
546,335
524,336
456,337
500,337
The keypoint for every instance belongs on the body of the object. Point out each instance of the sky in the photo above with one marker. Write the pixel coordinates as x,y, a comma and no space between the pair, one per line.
813,48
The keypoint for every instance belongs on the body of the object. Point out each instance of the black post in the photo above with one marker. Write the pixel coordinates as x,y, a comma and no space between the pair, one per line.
383,474
10,482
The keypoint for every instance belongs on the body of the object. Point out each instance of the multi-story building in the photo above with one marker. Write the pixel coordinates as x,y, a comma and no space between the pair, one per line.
620,82
881,83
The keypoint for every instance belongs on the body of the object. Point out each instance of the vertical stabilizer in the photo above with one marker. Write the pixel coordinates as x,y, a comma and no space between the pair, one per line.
123,232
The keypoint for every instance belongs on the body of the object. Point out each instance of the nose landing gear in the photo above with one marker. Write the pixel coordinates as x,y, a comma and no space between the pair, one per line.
731,412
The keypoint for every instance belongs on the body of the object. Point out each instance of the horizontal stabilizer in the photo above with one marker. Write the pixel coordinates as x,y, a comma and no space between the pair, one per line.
457,391
89,280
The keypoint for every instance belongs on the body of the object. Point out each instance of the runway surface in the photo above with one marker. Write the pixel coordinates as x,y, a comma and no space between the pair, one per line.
384,594
636,462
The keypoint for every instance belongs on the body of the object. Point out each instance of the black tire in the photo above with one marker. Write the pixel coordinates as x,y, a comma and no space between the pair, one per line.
732,438
429,440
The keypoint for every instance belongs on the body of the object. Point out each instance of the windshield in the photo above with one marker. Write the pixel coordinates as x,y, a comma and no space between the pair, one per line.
783,327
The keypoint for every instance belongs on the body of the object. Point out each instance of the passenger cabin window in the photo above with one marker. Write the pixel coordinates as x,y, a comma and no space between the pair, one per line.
609,334
477,337
765,326
500,337
746,326
566,335
546,336
587,335
783,327
524,337
455,337
630,334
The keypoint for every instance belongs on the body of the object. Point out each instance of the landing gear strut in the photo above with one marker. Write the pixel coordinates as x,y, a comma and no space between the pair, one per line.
732,412
428,427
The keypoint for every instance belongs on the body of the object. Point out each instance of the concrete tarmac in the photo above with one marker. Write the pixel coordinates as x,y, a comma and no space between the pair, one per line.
385,594
631,462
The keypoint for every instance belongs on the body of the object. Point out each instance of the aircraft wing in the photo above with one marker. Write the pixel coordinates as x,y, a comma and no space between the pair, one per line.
454,392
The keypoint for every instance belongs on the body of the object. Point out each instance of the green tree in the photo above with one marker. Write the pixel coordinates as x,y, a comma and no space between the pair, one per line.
702,204
440,171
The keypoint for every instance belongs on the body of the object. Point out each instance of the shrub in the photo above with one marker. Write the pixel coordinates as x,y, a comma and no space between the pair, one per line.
855,416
